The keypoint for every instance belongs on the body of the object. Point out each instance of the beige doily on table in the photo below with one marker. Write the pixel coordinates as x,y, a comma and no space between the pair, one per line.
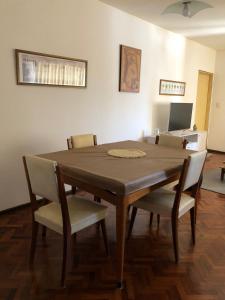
126,153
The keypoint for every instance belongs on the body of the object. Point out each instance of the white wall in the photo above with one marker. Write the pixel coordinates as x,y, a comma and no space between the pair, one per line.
39,119
216,138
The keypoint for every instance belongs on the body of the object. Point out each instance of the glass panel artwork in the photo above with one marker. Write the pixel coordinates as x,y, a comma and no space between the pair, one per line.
173,88
42,69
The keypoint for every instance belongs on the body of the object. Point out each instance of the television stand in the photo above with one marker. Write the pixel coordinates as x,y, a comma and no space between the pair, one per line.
196,139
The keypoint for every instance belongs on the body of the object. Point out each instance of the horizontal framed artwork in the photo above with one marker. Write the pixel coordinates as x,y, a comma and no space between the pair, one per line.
35,68
172,88
130,69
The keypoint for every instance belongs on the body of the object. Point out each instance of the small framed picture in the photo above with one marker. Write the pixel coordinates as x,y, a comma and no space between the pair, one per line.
130,69
43,69
172,88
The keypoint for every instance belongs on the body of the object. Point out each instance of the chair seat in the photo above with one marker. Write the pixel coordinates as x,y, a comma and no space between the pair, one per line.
83,213
171,186
161,202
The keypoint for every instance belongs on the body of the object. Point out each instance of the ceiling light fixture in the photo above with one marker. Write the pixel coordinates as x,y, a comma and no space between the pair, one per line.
186,8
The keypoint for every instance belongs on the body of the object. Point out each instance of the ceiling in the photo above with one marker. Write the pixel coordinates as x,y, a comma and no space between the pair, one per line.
207,27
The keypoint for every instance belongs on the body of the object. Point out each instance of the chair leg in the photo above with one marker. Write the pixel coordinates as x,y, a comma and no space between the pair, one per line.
158,220
200,180
44,232
151,218
97,199
67,257
128,210
133,216
192,215
33,241
44,228
105,238
74,190
175,238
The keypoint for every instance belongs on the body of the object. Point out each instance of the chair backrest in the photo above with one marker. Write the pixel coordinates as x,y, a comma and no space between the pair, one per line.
81,141
190,178
41,176
194,169
171,141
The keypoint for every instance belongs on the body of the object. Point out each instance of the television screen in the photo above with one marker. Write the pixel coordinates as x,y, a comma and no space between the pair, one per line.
180,116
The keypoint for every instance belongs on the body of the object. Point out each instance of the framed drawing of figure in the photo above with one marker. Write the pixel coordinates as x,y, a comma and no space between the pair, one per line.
130,69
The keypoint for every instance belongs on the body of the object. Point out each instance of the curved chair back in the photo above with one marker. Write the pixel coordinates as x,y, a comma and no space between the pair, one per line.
41,176
171,141
194,169
190,177
81,141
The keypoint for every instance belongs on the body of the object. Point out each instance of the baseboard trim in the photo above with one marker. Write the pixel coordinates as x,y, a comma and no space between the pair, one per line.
215,151
11,209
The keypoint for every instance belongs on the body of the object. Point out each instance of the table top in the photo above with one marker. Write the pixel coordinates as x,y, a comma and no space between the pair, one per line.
120,175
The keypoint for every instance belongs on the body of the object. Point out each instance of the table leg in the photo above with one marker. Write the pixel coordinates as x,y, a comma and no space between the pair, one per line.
121,216
222,174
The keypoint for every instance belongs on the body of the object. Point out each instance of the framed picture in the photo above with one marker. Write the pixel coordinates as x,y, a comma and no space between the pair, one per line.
43,69
172,88
130,69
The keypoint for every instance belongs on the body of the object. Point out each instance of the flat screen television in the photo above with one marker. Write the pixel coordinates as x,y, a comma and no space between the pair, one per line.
180,116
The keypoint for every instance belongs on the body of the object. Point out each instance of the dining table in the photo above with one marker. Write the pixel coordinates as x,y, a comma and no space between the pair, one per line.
120,181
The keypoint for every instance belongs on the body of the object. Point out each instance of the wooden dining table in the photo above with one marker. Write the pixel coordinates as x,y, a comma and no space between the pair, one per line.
120,181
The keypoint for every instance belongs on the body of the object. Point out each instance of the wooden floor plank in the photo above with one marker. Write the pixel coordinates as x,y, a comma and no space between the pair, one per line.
150,271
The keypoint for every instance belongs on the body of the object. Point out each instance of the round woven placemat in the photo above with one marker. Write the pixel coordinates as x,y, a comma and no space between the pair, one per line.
126,153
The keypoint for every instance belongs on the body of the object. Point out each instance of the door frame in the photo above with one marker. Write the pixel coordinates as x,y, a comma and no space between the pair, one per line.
209,97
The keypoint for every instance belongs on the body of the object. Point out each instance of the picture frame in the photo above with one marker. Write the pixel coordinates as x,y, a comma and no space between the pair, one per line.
130,69
172,88
34,68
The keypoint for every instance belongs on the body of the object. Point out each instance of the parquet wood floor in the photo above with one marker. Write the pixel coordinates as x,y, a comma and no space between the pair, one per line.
150,271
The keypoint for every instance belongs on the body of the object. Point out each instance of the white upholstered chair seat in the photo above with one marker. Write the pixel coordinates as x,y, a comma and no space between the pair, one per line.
161,202
83,213
175,204
171,186
65,215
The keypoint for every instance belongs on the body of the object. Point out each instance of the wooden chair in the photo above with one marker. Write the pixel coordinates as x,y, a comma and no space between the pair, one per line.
65,215
222,172
176,203
171,141
81,141
174,142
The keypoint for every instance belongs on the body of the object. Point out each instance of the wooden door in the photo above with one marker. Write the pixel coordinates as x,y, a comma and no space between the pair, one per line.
203,100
